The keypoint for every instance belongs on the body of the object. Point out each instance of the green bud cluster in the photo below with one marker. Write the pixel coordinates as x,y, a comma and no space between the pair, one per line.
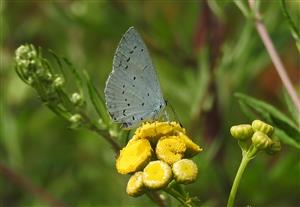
34,70
259,133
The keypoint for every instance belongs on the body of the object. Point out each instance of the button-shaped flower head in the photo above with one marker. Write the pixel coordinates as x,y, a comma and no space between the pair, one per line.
157,174
135,156
185,171
170,149
135,186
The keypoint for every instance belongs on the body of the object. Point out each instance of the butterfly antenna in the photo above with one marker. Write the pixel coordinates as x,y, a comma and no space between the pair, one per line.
127,136
173,111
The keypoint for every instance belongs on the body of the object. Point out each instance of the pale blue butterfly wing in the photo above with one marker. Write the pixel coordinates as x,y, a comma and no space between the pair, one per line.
132,91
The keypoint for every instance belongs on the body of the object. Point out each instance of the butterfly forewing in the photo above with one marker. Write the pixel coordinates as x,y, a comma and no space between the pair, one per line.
132,90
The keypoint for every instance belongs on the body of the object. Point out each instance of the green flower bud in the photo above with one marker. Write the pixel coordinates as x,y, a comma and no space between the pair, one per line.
135,186
101,123
76,118
30,80
242,131
261,126
76,99
48,76
23,52
274,147
185,171
58,82
260,140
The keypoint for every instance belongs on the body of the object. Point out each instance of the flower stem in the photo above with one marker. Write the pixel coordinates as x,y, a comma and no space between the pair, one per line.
245,160
171,191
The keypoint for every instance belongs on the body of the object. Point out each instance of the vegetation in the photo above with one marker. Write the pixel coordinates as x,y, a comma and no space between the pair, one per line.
229,70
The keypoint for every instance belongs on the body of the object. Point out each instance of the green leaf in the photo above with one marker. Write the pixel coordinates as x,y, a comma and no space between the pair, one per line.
254,107
286,139
291,108
294,29
242,5
97,101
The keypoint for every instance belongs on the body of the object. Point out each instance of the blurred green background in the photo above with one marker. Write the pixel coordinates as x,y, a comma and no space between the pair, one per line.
204,51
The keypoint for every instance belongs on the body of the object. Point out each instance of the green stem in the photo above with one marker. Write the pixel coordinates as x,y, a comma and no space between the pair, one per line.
171,191
245,160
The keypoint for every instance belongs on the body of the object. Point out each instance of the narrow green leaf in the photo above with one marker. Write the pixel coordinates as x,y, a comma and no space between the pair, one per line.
270,114
75,73
286,138
244,9
97,100
294,29
291,108
247,111
59,63
65,100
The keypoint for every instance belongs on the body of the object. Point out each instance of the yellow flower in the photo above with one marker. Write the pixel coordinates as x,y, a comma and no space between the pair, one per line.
157,174
170,149
185,171
134,156
191,148
135,186
155,130
171,144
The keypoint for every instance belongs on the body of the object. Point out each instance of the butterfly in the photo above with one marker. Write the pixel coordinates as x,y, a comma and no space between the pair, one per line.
132,90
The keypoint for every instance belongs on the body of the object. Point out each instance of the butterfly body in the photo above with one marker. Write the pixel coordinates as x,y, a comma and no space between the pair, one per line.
132,91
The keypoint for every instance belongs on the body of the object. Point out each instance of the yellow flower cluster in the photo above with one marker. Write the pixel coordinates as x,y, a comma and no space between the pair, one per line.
155,155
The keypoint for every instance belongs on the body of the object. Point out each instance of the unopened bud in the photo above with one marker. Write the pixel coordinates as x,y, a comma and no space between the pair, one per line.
260,140
22,52
274,147
76,118
135,185
76,99
242,131
58,82
185,171
157,174
261,126
30,80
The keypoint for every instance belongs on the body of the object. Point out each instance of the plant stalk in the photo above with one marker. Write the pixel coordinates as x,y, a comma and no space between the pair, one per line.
237,179
262,31
247,156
